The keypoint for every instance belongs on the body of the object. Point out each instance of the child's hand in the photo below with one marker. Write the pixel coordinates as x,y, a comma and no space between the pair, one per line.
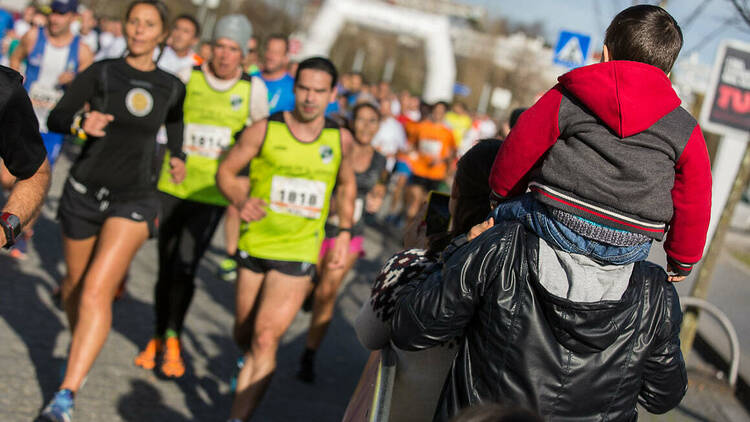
479,229
672,277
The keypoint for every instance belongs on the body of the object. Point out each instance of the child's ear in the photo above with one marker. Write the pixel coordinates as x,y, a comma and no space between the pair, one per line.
606,56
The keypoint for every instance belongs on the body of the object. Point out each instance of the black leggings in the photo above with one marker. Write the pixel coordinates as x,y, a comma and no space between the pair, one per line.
185,233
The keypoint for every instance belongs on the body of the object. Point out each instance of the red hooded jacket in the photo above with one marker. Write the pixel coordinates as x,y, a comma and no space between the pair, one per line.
611,144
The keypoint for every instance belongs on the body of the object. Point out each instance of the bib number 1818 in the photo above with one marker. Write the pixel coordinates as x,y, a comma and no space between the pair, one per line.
296,196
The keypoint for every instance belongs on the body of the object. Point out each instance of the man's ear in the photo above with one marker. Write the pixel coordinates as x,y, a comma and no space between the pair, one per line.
606,55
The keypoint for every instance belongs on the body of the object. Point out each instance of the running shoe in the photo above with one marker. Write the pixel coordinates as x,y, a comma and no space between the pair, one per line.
172,365
147,358
228,269
60,408
238,367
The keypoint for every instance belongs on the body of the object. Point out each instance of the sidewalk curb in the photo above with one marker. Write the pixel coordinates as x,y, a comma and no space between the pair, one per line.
713,357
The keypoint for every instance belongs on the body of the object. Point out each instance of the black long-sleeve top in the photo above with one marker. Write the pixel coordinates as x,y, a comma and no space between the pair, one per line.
122,160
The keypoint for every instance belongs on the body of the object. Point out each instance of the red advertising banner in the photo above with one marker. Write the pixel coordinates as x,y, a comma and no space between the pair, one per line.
726,107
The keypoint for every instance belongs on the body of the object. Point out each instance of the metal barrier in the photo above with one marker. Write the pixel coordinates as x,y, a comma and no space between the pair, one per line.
726,324
381,400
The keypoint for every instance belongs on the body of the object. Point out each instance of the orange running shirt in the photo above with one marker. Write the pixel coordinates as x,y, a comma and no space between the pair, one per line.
434,144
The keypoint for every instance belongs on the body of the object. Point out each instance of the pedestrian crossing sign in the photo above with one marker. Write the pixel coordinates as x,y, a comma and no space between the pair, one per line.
572,49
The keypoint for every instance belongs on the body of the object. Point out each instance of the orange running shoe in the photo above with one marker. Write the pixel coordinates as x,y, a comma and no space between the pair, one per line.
172,365
147,358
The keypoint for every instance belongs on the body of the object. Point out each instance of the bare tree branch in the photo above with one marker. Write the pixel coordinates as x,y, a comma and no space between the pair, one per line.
743,9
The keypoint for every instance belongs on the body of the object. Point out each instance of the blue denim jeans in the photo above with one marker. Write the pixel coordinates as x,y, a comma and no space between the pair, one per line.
534,215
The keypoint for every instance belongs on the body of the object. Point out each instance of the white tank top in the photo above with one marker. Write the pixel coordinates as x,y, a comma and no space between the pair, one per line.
45,91
53,64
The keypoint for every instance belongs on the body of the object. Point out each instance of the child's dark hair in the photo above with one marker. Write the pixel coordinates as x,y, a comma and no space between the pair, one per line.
473,187
319,63
646,34
160,7
193,21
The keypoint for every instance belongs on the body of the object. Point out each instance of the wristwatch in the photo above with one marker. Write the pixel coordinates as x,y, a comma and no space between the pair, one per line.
12,228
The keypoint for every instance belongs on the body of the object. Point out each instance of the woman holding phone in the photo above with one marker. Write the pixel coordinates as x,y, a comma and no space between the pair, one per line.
109,207
369,166
421,375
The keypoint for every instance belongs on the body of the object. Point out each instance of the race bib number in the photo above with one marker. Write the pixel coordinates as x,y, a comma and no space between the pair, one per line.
44,97
206,140
430,147
359,208
295,196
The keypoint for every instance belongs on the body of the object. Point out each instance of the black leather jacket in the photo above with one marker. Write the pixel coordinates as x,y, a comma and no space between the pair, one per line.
523,346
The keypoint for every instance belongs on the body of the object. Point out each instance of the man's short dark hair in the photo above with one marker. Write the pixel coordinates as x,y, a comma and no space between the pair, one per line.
319,63
646,34
280,37
442,103
193,20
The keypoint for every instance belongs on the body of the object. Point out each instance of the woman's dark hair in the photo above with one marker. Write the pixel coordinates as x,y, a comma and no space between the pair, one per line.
473,186
163,11
515,115
356,110
493,412
319,63
160,6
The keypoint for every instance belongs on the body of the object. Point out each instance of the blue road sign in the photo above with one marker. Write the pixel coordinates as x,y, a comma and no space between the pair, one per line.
461,90
572,49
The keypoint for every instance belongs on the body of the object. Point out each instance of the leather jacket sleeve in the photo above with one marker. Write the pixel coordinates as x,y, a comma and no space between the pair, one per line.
664,374
438,309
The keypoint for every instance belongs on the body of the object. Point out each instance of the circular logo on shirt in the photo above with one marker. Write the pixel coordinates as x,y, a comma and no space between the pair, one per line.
236,102
326,154
139,102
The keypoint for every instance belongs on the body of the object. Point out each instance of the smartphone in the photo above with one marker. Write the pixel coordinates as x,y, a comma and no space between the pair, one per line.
438,215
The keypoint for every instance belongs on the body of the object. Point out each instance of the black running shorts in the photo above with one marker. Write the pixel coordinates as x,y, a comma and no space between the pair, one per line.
82,215
262,266
427,184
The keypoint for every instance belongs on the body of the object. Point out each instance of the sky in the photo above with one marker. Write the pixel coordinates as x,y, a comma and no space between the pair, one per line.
593,16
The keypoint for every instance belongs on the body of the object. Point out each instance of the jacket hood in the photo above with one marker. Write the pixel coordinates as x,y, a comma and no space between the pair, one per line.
627,96
578,320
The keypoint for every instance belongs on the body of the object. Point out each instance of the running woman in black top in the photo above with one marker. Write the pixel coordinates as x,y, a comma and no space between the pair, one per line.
109,206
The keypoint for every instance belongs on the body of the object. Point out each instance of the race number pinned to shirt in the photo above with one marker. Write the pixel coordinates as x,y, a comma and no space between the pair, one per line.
296,196
43,100
430,147
206,140
359,209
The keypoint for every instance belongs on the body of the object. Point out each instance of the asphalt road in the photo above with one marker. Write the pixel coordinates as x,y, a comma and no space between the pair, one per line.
34,339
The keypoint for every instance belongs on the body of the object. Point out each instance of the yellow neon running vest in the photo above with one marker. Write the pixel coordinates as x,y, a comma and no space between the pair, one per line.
296,180
212,120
